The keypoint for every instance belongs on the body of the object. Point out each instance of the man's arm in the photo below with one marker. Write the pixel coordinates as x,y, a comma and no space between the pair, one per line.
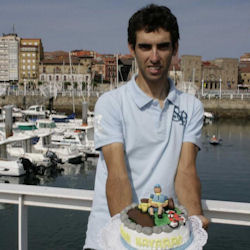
187,182
118,187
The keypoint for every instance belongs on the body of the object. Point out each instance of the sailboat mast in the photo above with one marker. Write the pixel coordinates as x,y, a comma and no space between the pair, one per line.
71,81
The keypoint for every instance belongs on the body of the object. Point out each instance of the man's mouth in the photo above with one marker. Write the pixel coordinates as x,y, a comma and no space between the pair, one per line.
154,69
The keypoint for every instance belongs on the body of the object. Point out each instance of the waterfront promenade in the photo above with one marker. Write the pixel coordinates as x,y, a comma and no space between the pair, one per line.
228,105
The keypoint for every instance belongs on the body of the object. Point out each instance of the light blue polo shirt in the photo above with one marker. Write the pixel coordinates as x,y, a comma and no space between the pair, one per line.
152,137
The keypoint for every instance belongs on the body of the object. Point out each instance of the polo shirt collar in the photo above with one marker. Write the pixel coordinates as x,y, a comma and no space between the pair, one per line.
141,99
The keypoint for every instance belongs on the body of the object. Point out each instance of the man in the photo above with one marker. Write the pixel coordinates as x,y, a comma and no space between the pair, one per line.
148,132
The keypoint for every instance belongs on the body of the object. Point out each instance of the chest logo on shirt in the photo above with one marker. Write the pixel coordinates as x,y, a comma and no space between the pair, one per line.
97,123
180,116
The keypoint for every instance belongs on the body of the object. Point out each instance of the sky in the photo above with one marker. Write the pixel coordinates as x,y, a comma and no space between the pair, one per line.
209,28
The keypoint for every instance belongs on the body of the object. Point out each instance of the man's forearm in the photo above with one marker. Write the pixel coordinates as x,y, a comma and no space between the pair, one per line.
188,190
119,194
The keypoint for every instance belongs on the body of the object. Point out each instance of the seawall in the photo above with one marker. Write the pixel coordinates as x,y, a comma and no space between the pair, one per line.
228,108
222,108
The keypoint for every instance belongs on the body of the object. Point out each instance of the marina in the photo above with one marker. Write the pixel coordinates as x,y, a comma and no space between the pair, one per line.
224,172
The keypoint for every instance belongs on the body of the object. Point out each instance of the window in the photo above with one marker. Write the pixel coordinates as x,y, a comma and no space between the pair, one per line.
24,67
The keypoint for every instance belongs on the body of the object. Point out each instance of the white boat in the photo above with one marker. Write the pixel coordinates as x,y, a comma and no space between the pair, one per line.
11,168
79,136
35,112
66,153
208,115
20,146
34,157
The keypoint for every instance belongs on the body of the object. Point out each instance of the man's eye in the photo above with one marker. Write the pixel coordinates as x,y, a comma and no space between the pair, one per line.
163,46
144,46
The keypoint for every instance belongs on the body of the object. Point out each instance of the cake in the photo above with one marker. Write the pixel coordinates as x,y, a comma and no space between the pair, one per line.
155,223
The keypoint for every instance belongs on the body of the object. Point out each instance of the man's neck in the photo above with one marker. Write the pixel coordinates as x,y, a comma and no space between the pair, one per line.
157,90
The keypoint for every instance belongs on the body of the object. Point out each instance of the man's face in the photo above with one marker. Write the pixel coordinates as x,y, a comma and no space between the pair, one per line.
153,52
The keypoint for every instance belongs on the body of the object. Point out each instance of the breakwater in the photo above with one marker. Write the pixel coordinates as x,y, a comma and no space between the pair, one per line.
222,108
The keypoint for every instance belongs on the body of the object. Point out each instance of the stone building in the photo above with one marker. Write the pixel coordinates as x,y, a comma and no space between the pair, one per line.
191,69
220,70
229,72
30,55
9,50
211,75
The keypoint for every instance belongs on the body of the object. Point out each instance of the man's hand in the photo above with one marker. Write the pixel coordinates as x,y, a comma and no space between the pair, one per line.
205,221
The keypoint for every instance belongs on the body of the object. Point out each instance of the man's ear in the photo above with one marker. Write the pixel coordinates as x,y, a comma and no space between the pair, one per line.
131,49
176,47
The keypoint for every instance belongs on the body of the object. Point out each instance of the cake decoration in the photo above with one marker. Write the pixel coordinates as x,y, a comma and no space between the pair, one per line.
155,223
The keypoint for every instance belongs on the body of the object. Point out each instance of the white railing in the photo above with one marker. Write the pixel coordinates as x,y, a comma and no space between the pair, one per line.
226,212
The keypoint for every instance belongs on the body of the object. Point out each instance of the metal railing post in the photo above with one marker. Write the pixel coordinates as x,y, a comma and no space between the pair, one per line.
22,225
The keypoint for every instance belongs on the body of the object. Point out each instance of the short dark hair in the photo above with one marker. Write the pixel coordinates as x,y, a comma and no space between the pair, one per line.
151,18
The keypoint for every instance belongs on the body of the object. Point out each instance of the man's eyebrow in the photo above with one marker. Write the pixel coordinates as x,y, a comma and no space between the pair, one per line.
164,44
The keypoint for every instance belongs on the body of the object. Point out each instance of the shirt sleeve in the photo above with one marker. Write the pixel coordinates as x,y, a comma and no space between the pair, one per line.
193,128
107,125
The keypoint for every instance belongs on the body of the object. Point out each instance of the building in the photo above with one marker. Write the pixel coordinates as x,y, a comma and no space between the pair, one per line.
219,72
245,58
83,53
56,68
30,55
191,68
229,72
125,67
9,47
244,72
211,75
99,68
110,62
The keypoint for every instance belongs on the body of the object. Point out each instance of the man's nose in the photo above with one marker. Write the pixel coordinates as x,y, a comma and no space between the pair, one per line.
154,57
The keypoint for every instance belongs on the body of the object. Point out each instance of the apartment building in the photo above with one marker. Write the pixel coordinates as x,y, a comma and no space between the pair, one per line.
9,46
110,62
57,69
30,55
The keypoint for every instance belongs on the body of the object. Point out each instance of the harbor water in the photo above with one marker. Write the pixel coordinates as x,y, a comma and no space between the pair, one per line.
224,171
